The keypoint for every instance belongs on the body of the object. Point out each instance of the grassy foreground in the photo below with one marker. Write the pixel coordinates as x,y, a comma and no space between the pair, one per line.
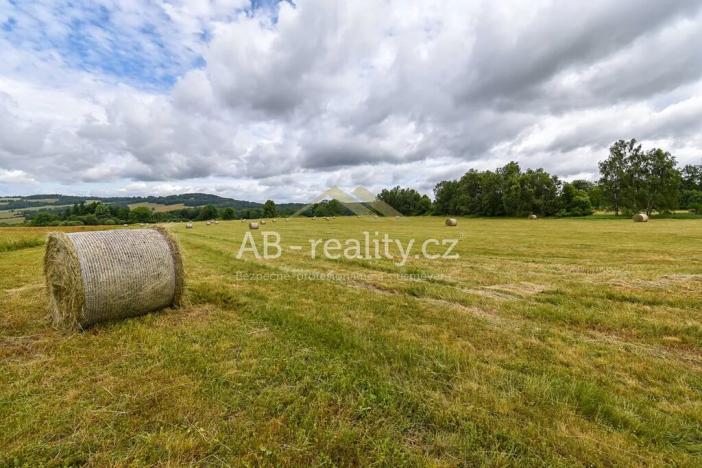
549,342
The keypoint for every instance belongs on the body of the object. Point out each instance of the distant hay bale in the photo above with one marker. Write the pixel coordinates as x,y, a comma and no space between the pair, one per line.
106,275
640,218
216,222
533,216
253,225
452,222
263,221
189,226
326,218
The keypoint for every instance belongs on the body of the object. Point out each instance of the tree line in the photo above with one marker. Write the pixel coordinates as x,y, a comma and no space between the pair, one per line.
631,180
99,213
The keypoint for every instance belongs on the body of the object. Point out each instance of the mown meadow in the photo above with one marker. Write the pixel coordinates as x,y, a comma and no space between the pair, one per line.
552,342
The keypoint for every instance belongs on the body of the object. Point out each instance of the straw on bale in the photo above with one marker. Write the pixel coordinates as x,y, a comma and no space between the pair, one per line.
253,225
640,218
105,275
452,222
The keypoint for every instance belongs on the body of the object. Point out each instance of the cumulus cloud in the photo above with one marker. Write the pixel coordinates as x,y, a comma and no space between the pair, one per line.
282,101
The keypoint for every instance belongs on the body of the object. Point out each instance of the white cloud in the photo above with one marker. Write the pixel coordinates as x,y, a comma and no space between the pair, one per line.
346,93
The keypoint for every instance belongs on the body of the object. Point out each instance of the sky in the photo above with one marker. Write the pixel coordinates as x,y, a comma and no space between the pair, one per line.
258,99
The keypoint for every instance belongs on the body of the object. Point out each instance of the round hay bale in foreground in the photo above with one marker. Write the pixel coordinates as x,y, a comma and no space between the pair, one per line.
105,275
253,225
640,218
452,222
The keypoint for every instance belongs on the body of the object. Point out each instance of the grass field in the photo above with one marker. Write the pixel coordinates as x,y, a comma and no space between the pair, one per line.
549,342
10,217
157,207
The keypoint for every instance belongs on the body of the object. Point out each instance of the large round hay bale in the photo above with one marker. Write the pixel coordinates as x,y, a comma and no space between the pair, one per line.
640,218
105,275
452,222
253,225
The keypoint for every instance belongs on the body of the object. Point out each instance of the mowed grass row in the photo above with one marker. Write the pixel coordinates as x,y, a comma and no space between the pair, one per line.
551,342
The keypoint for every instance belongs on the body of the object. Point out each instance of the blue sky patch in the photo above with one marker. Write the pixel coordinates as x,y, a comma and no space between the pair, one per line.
90,37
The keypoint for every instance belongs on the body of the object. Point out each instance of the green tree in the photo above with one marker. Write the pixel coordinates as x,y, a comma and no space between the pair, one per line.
269,209
615,174
446,197
692,177
691,188
207,212
407,201
43,218
140,214
228,213
655,181
102,210
574,201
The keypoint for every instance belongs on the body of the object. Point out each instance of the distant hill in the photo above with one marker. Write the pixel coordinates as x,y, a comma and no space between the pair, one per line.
55,200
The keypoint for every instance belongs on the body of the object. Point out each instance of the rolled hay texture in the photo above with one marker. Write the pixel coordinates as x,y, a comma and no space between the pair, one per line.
253,225
106,275
640,218
452,222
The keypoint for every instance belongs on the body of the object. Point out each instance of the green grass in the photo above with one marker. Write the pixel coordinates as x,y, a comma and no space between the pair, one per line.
550,342
157,207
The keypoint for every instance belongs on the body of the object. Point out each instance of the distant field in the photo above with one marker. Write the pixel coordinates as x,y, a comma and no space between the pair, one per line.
552,342
10,217
158,207
43,200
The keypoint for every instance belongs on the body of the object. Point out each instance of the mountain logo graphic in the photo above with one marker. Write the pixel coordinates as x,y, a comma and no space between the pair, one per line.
360,201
